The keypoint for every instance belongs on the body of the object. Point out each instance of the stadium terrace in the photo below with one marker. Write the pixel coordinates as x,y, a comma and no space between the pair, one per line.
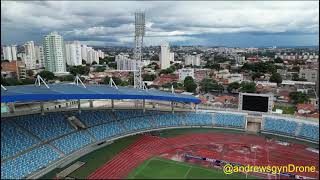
34,144
26,93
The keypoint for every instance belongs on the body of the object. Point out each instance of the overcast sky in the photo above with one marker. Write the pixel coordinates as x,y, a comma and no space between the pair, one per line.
244,24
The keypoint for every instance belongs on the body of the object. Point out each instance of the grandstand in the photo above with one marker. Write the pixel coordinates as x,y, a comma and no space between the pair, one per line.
34,143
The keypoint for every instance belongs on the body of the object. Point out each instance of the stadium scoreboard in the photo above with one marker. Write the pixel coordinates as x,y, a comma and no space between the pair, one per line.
256,102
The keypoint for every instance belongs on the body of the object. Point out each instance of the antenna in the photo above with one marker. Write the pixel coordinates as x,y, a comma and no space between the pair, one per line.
172,89
3,87
112,83
77,80
39,80
144,87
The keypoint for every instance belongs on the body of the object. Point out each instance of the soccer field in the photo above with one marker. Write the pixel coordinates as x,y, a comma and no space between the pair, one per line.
159,168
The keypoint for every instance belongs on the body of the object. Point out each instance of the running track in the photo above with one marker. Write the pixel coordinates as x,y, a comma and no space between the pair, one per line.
267,152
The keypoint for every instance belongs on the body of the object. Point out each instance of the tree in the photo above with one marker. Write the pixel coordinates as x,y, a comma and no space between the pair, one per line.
276,77
69,77
103,61
155,57
10,81
82,70
188,78
177,66
131,80
124,83
299,97
110,58
149,77
84,61
259,67
167,71
47,75
256,75
208,85
167,85
30,72
117,80
93,63
27,81
295,68
278,60
177,85
106,80
189,84
233,86
112,65
248,87
295,77
100,69
156,67
211,65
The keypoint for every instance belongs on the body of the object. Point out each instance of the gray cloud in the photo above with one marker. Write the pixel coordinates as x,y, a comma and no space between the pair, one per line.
97,21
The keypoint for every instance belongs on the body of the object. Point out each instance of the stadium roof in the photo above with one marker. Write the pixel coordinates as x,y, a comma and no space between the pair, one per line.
25,93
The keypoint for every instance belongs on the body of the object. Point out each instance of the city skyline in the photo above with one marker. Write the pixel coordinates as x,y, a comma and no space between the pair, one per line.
236,24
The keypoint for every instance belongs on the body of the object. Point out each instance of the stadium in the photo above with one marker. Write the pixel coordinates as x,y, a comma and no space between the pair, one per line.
77,131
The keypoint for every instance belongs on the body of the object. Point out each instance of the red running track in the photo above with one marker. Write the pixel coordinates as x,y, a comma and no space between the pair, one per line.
229,147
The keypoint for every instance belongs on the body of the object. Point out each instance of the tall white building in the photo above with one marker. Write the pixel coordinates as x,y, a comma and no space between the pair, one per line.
53,49
96,56
39,56
84,52
9,53
171,57
124,62
41,59
73,53
101,54
30,55
14,52
22,56
165,56
90,55
193,60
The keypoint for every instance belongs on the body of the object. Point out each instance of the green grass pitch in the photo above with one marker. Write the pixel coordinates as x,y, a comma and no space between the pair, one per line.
159,168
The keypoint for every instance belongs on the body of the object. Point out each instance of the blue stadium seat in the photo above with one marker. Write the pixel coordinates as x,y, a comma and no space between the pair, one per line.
27,163
201,119
125,114
168,120
13,140
139,123
72,142
309,131
91,118
229,120
106,130
279,125
46,126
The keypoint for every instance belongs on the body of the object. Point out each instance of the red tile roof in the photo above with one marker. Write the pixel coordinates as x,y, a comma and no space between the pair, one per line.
309,107
223,99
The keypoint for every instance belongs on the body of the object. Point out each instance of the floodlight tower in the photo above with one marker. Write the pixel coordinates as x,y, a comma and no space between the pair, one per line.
139,33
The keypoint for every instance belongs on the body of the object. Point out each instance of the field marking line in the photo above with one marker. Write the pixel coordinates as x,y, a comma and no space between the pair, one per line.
185,176
212,170
142,168
186,164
